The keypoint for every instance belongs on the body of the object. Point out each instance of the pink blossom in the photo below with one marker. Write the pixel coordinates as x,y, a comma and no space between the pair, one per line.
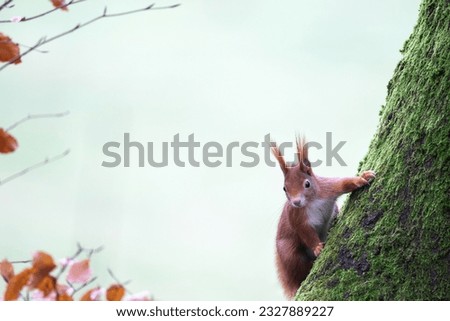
16,19
141,296
79,272
66,261
38,295
97,294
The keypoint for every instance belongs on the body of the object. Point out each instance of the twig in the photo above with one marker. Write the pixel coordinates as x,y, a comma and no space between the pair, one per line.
150,7
75,290
45,40
71,2
80,250
38,44
64,267
5,4
116,279
37,50
19,262
90,251
36,116
33,167
93,251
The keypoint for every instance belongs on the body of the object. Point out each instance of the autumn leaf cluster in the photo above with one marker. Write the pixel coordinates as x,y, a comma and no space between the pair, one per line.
68,280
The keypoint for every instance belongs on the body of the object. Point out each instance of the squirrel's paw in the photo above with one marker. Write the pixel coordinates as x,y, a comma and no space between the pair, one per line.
368,176
318,249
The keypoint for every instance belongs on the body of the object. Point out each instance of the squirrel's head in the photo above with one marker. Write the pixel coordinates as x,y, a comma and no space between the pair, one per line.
299,182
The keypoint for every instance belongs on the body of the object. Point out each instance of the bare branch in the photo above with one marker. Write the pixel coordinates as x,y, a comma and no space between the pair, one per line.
64,267
93,251
75,290
150,7
117,280
80,249
6,4
89,251
45,40
35,166
70,3
20,262
28,47
37,116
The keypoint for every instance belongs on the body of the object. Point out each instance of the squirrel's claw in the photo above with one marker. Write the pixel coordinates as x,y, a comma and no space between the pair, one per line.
368,175
318,249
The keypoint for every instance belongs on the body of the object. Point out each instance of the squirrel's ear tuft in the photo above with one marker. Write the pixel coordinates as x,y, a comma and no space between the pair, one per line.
302,152
277,153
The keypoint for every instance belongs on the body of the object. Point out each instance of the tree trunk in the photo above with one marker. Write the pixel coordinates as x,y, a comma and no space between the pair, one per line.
392,239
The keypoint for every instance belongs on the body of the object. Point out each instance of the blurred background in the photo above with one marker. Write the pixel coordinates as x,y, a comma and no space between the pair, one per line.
225,70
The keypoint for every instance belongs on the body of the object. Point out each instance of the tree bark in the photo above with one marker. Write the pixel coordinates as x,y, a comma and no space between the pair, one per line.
392,238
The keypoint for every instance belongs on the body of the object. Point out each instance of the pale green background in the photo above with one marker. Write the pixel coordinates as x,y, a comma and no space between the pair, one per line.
225,70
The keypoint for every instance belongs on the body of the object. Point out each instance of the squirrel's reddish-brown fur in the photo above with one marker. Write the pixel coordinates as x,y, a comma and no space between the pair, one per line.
306,216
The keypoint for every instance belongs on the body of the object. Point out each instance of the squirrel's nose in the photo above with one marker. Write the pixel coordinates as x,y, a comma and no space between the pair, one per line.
297,203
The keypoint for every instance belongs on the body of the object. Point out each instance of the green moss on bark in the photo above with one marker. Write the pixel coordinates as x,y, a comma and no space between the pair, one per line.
392,239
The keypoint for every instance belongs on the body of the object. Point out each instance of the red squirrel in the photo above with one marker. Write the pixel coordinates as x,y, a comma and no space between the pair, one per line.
307,213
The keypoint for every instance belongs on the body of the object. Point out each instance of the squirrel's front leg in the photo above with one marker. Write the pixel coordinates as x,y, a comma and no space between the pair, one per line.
349,184
310,238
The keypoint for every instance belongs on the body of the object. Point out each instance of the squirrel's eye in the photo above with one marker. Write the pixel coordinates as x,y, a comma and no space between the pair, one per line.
284,188
307,184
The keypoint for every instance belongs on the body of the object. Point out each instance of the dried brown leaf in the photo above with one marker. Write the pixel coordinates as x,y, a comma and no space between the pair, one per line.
9,51
115,292
92,295
64,297
8,143
16,284
47,285
6,270
43,264
59,4
86,296
63,292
